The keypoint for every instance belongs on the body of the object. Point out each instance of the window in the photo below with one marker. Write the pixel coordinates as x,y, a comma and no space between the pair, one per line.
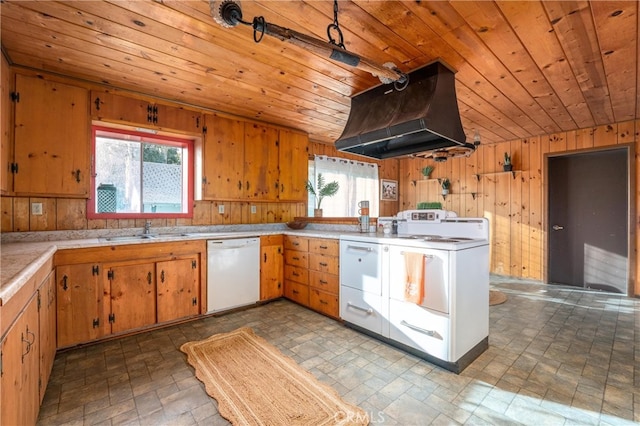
358,181
138,175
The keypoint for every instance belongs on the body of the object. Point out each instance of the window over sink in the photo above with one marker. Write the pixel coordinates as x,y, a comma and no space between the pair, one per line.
140,175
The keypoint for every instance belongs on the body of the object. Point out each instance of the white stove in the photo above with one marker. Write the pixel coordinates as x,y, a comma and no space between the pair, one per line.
449,326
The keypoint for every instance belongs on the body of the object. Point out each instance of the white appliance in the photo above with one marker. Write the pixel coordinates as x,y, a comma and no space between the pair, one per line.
450,327
233,273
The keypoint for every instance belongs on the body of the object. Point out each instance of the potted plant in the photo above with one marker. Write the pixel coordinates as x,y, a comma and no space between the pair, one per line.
322,190
445,183
426,171
507,166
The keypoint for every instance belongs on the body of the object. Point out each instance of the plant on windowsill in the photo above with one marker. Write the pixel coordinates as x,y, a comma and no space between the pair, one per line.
507,166
426,171
446,184
321,191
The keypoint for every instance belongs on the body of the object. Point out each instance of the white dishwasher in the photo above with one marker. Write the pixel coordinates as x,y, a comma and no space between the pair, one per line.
233,273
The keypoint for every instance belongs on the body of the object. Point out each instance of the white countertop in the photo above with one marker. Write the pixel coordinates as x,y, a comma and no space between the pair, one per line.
22,257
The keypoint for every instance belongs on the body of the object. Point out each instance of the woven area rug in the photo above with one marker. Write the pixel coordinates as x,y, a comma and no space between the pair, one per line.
496,297
255,384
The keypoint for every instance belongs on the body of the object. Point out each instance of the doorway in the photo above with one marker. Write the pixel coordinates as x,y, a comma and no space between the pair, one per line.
588,222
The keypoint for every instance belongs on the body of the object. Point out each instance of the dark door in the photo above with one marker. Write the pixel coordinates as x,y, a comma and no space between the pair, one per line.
588,224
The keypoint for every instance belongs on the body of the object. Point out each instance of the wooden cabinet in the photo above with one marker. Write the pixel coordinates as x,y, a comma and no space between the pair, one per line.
293,160
80,301
106,106
19,381
131,293
113,295
271,267
324,276
178,288
52,139
240,160
47,323
311,273
6,122
27,347
250,161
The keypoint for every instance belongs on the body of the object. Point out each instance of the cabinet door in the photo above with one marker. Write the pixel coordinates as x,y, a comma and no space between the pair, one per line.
6,113
51,138
223,164
47,295
271,270
110,107
293,165
178,288
176,118
20,370
132,295
80,302
260,162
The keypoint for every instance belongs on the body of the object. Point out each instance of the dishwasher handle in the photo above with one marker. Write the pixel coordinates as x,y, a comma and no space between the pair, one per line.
231,243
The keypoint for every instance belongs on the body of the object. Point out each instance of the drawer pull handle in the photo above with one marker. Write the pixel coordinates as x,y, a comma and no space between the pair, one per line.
324,247
323,282
323,264
323,302
368,249
295,274
296,258
431,333
295,292
368,311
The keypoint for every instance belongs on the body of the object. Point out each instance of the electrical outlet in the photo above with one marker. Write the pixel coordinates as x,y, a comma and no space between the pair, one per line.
36,209
221,209
253,210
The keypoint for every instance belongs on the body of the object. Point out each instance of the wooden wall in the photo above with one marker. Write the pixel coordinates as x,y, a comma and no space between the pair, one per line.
514,202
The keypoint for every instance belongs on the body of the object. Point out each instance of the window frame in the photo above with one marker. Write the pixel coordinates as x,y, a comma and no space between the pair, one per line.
175,140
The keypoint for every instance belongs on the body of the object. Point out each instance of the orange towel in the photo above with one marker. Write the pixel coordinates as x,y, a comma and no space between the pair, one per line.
414,285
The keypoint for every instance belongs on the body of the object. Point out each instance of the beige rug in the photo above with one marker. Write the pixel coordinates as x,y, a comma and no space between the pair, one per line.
496,297
255,384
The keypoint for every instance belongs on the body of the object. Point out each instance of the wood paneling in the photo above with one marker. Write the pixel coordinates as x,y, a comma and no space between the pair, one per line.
523,68
514,202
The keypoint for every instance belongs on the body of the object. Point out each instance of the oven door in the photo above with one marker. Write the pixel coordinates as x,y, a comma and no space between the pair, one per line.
435,279
361,266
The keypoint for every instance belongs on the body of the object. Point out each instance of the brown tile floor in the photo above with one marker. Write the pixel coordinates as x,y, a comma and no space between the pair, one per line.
557,356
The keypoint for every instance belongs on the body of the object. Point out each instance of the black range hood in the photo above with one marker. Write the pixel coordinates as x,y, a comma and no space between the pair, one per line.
423,117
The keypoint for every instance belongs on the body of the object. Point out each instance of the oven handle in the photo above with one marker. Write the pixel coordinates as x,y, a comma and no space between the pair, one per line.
368,311
427,256
368,249
431,333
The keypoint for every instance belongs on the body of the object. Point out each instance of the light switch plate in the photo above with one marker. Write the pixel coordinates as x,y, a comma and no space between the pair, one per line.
36,209
253,209
221,208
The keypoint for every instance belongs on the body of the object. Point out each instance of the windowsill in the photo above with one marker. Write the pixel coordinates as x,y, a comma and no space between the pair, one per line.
333,220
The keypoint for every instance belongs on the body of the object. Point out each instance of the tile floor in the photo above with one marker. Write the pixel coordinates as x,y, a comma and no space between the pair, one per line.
557,356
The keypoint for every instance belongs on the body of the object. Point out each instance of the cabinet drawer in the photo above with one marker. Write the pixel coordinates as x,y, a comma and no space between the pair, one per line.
322,263
297,274
323,302
271,240
419,328
296,292
324,281
363,309
296,258
328,247
292,242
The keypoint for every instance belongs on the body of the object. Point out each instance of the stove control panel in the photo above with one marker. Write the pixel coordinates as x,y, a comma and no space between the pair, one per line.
423,216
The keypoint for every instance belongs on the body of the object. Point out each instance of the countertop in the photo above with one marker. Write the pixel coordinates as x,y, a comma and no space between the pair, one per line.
21,256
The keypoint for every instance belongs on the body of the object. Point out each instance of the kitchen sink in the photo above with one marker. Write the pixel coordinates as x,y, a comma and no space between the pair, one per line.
131,237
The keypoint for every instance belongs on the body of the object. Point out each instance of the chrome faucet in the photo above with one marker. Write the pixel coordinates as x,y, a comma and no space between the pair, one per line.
147,227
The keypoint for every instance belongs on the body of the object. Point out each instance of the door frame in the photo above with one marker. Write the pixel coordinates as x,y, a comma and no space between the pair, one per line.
631,208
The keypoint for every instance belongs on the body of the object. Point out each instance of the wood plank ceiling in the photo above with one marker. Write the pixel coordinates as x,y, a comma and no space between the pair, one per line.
524,68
